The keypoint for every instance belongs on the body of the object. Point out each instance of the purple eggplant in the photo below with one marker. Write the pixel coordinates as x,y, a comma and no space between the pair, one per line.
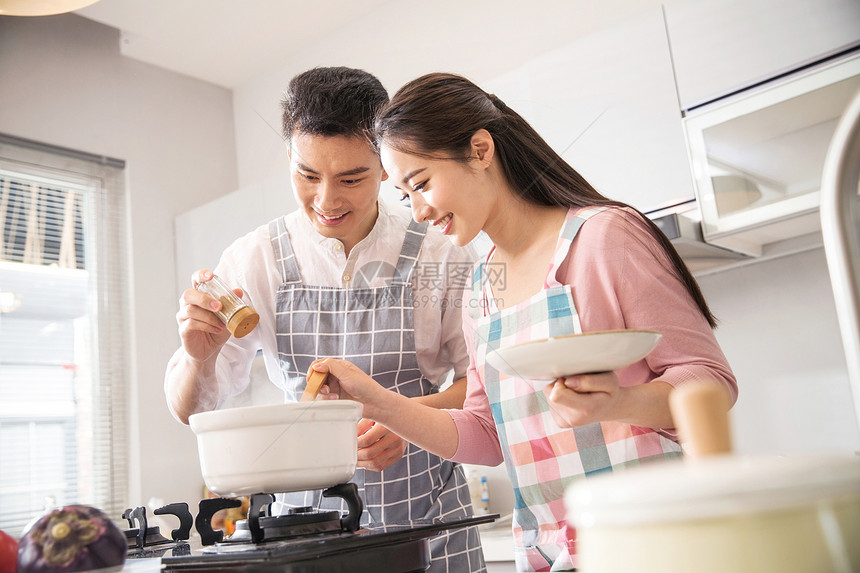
74,538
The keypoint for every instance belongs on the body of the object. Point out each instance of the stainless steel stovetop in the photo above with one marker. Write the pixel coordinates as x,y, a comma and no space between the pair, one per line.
390,547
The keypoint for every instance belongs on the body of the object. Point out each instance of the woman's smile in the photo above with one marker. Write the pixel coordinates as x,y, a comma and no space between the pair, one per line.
437,188
445,223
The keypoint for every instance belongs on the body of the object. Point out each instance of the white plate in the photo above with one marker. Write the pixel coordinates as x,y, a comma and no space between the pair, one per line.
551,358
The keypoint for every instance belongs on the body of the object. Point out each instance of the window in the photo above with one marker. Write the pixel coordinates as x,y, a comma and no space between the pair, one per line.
63,331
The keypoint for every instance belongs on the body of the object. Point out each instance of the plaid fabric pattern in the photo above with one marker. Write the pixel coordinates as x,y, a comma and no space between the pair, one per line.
543,459
373,328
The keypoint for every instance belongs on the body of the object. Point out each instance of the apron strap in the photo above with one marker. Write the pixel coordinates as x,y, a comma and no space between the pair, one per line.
572,224
480,277
285,258
409,253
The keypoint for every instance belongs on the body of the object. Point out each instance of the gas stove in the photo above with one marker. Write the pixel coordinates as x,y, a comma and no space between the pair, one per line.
306,539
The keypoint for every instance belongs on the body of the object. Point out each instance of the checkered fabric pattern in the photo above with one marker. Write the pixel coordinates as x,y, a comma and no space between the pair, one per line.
543,459
373,328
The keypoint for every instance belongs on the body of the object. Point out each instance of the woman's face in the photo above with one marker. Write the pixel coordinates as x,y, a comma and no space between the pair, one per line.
336,182
447,193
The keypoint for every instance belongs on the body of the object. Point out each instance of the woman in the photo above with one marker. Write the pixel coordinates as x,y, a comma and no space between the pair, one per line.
573,262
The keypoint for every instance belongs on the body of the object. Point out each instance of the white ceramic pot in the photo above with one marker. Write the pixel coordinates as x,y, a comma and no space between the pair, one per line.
722,514
279,447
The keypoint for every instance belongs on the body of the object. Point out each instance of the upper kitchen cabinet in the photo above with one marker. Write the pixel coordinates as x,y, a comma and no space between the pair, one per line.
607,103
758,155
722,46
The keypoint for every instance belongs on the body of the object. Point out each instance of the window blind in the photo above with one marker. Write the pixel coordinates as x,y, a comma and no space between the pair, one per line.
64,362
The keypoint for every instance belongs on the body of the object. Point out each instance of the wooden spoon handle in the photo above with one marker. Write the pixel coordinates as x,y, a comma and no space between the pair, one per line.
701,418
315,381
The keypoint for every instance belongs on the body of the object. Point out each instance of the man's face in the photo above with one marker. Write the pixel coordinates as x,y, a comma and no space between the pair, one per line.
336,180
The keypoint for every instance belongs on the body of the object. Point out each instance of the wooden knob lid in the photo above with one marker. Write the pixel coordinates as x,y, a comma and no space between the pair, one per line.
701,413
243,321
315,382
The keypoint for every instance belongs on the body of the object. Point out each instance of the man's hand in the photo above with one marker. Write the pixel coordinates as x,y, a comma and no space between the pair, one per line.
378,447
202,332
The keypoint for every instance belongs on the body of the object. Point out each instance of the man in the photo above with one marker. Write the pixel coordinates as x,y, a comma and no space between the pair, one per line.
348,276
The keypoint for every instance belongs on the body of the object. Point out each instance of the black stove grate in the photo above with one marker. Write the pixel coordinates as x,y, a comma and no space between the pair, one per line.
306,540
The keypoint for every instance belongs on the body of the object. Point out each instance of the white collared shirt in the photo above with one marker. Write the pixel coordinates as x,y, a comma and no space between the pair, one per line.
442,272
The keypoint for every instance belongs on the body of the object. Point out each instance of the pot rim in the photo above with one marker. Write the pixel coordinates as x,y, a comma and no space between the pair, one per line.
276,414
711,488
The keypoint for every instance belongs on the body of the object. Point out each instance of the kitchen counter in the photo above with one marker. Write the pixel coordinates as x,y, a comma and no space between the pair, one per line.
150,565
497,542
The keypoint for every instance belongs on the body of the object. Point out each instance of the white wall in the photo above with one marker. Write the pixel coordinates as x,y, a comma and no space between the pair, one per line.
779,330
65,83
481,39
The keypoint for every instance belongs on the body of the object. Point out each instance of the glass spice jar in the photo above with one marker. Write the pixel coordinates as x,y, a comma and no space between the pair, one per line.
235,313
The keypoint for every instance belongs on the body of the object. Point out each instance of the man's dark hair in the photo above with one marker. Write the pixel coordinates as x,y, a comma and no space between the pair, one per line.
332,101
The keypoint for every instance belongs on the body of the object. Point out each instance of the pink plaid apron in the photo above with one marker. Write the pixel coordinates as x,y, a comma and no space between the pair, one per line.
541,458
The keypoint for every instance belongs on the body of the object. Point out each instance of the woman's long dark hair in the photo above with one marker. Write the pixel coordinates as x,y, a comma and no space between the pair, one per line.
439,113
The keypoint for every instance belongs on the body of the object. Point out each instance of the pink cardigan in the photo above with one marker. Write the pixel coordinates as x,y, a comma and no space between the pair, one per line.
620,279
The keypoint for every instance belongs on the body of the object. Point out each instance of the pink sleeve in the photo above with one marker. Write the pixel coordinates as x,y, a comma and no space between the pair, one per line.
622,279
478,440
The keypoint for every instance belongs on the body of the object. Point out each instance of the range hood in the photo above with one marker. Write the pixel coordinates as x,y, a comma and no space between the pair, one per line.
682,224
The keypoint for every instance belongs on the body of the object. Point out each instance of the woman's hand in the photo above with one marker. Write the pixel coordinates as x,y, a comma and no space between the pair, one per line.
378,447
583,399
347,382
426,427
202,332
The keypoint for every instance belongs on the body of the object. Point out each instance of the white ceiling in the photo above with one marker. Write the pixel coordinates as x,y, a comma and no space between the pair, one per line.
225,42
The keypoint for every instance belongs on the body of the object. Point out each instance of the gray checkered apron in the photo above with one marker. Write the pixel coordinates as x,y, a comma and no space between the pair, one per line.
373,328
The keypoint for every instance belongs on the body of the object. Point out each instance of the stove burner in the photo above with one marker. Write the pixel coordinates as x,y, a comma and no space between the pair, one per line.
282,544
393,548
260,526
293,524
299,510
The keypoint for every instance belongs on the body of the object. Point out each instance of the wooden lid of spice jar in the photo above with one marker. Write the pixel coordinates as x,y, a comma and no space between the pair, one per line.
243,321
